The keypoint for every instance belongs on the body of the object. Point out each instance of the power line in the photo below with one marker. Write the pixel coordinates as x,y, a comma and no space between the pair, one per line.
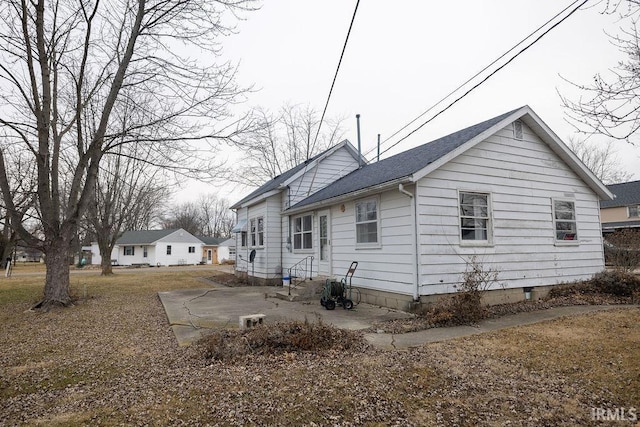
480,72
344,47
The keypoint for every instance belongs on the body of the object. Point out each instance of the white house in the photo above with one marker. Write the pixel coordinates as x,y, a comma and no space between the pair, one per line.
153,247
506,191
227,250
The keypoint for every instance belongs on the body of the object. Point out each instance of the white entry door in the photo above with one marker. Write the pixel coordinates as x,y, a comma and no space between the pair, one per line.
324,243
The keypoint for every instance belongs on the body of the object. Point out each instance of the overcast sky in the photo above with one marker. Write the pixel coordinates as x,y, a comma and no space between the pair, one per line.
403,56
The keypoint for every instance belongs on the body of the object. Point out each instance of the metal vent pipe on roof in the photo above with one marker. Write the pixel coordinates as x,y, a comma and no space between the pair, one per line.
359,150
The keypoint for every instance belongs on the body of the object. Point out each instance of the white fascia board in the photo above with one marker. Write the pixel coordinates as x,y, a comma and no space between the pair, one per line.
531,119
349,196
258,199
560,148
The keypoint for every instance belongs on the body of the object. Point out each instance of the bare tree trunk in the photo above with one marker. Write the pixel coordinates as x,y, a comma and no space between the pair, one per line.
105,254
56,289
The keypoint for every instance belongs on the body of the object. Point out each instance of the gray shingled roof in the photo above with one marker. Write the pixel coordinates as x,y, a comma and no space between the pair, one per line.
400,165
211,241
627,193
140,237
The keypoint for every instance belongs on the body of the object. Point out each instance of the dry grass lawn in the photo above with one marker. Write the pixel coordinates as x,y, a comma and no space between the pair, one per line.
112,360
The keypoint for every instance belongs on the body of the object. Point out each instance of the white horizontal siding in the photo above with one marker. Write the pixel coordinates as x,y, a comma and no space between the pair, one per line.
522,178
328,170
389,267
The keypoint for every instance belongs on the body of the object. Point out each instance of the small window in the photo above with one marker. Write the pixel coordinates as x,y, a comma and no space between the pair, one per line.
243,239
192,249
634,211
129,250
517,130
475,219
168,249
303,232
144,252
564,218
367,221
232,251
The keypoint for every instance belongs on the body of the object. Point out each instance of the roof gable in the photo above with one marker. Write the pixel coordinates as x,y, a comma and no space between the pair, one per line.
627,193
417,162
281,180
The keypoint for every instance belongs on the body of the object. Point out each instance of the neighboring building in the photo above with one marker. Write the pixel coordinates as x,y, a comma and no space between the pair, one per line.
153,247
210,249
624,210
507,191
227,250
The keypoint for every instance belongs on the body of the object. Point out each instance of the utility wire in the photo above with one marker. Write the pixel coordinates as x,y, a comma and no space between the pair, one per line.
344,47
480,72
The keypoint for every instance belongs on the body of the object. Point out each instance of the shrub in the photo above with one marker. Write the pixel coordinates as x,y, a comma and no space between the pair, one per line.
617,282
278,338
465,306
622,249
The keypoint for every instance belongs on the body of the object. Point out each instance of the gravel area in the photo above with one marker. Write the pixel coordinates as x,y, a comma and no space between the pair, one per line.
113,360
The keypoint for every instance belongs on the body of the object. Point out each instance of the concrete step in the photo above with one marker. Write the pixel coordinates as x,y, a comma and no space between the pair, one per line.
304,291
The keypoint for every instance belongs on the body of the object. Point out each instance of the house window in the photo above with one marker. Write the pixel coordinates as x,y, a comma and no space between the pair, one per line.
129,250
260,231
168,249
302,232
517,130
634,211
192,249
232,251
475,221
564,218
144,252
243,239
252,230
367,221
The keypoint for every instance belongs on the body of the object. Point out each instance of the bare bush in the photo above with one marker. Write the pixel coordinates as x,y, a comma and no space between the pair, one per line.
278,338
622,249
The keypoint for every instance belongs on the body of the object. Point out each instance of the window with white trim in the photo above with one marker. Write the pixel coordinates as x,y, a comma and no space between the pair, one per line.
633,211
475,217
243,239
192,249
367,222
129,250
303,232
564,220
260,231
168,249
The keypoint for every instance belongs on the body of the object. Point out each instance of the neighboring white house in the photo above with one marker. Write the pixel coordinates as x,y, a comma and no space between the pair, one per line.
153,247
227,250
506,191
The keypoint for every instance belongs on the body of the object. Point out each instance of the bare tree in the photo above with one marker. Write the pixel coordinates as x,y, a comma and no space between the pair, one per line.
602,159
67,64
610,105
216,216
278,142
128,194
187,216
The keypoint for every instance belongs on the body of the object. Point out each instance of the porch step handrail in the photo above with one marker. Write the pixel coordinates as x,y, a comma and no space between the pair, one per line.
298,272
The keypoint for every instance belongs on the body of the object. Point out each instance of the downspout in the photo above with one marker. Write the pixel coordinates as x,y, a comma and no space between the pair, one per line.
414,216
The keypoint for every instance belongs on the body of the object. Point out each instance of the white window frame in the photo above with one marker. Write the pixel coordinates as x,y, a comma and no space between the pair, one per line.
145,252
302,233
572,242
256,232
489,219
243,239
192,250
378,242
169,249
636,208
129,253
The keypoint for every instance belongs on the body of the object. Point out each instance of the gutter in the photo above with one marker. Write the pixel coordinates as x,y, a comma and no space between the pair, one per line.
348,196
414,220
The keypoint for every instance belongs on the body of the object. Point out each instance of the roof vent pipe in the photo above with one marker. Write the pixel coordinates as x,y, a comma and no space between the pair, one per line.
359,150
378,148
